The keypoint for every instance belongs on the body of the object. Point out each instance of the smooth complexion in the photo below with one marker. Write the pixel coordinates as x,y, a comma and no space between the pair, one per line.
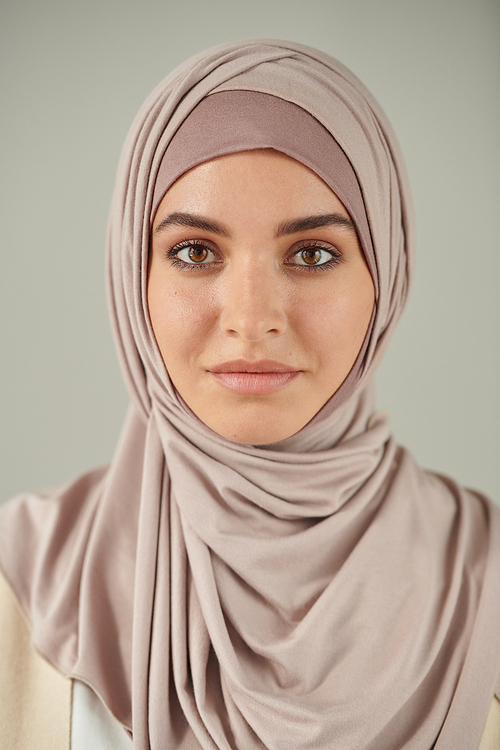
258,293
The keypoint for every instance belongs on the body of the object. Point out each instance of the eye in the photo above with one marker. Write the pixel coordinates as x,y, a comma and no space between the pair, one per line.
192,254
314,256
195,254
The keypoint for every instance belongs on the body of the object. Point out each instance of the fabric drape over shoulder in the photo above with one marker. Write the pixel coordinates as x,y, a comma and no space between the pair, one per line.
322,592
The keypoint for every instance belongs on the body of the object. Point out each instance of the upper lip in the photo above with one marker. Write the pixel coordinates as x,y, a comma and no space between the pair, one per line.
245,365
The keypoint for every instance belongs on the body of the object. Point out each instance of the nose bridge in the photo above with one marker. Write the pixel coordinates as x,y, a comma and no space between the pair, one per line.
253,305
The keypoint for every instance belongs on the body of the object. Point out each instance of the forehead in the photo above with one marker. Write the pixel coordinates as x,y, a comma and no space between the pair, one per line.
261,181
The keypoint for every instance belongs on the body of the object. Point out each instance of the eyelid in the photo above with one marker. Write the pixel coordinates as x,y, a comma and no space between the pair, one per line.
173,252
335,254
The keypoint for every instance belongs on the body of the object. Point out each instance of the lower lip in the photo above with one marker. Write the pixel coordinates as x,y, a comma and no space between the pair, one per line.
254,383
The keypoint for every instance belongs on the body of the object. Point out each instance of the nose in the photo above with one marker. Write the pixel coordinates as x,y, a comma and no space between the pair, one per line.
252,307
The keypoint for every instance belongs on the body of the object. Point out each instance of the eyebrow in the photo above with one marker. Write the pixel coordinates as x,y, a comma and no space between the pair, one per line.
195,221
314,222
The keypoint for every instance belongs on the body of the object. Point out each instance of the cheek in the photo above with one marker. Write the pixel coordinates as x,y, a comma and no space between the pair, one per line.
337,321
179,319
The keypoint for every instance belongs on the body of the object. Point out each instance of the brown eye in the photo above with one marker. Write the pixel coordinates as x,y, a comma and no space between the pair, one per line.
192,254
313,257
197,254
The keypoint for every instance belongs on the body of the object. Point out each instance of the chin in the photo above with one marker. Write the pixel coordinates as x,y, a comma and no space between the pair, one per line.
253,420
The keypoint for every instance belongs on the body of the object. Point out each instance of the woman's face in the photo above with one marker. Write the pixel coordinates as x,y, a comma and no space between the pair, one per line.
258,293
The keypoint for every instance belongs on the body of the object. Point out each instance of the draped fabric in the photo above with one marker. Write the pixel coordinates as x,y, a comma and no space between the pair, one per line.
321,592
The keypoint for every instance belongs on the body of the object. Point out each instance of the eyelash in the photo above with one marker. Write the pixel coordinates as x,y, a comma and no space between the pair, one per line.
336,258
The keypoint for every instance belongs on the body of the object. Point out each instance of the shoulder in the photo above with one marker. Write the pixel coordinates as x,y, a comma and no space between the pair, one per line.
491,735
39,707
35,699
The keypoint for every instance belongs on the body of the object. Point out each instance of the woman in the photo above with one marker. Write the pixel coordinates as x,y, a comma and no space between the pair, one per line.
261,566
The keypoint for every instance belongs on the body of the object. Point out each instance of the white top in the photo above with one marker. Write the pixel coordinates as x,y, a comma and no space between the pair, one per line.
92,725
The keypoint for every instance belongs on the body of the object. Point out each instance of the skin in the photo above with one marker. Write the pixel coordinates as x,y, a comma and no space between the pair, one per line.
252,292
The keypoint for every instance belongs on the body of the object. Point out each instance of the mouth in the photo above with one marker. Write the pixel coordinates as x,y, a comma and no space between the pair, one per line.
257,378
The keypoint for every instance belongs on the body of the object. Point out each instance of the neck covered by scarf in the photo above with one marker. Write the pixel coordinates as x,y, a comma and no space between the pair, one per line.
322,592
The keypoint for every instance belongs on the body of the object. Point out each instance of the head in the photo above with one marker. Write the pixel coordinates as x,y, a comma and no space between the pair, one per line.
264,264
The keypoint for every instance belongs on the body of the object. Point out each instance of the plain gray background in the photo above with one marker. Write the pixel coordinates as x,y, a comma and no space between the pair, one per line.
73,75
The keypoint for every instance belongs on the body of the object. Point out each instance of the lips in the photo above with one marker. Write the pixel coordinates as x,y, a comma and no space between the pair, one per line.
253,378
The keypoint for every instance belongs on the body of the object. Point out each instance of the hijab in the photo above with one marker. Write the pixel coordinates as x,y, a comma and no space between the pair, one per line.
318,592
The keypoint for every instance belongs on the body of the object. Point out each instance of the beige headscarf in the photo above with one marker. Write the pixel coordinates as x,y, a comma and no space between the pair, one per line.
323,592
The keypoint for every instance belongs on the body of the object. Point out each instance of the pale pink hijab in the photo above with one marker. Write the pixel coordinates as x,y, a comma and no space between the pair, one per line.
317,593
